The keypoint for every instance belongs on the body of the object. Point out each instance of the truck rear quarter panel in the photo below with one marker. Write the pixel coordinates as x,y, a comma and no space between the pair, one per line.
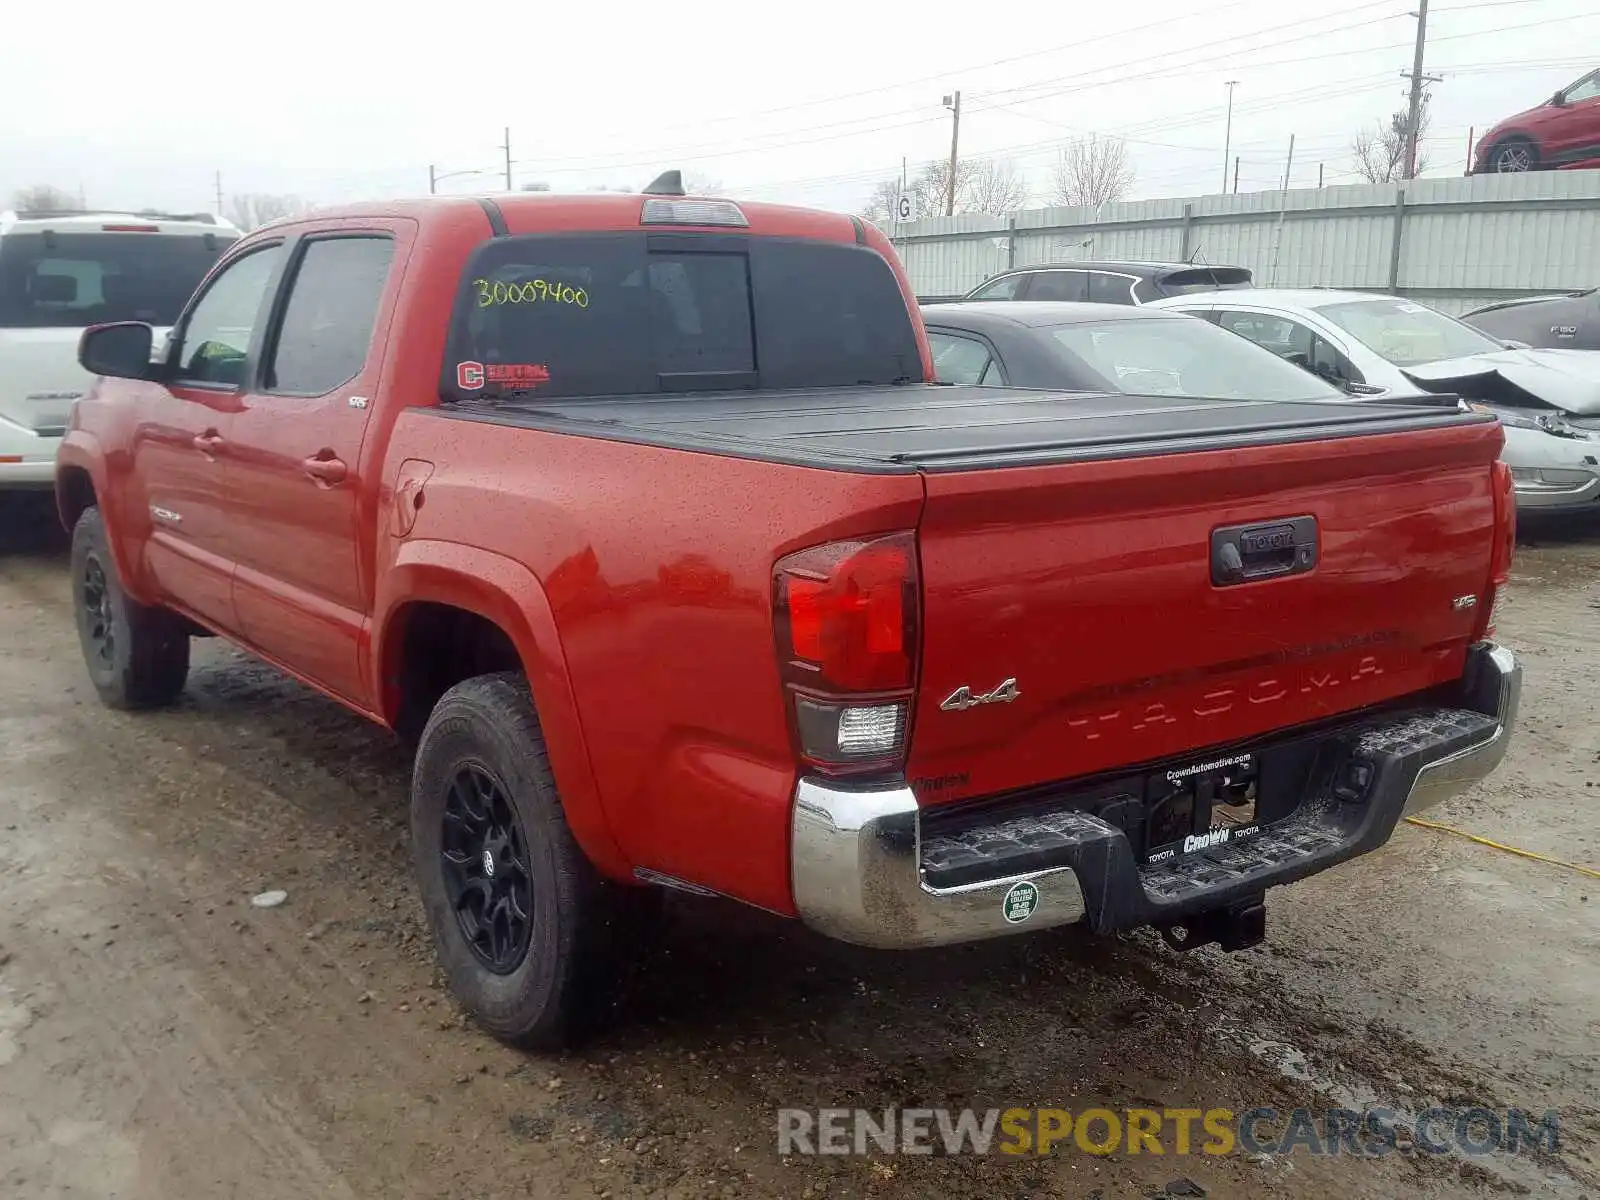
656,568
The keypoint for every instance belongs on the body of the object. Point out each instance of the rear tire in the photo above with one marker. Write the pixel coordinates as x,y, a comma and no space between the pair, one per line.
138,656
1514,155
530,937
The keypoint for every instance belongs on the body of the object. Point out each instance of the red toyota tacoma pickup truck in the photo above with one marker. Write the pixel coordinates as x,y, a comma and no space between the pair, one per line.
640,518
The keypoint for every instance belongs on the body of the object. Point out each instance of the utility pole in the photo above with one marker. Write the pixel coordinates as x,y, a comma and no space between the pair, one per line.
1236,158
1283,205
1227,137
1319,174
954,105
433,182
1414,107
506,146
219,193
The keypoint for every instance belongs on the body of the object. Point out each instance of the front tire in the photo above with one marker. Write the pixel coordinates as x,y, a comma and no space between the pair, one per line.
529,935
138,656
1513,156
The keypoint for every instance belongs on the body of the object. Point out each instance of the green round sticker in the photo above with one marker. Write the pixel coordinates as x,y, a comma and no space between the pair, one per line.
1020,902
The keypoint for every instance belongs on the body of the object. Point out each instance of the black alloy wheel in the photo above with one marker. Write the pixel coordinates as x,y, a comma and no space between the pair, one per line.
483,854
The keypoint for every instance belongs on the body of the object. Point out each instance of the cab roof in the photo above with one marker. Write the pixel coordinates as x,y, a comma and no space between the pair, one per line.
546,212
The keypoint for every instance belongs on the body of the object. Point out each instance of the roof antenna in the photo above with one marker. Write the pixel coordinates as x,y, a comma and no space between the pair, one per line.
668,183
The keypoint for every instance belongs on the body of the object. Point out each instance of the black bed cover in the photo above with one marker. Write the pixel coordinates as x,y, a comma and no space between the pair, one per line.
932,427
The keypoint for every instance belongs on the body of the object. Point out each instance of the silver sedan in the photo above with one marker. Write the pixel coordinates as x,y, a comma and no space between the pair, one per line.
1376,345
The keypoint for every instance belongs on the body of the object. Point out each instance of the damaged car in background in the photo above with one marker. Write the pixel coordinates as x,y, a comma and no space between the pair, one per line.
1386,346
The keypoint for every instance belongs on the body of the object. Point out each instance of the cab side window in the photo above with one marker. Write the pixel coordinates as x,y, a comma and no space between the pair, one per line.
326,330
215,343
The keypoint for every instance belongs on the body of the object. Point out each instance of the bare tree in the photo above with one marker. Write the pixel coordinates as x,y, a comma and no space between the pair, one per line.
1380,152
984,185
992,186
926,189
880,206
41,197
1092,171
250,210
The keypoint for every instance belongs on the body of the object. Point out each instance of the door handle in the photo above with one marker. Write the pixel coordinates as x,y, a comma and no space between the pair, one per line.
208,443
326,471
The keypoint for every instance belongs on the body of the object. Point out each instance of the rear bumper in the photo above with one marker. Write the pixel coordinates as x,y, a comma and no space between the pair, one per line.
857,856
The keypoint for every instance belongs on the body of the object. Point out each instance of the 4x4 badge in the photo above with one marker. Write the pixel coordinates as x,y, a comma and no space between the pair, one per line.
964,697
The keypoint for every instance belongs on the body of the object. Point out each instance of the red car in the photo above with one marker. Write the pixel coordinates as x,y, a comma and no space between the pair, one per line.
1564,131
641,520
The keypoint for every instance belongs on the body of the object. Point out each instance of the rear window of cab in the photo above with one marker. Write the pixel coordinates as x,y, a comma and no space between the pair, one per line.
564,315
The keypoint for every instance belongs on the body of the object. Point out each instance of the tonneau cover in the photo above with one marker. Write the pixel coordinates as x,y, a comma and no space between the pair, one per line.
932,427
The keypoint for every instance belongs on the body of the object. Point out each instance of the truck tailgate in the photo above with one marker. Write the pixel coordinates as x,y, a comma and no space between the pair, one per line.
1131,637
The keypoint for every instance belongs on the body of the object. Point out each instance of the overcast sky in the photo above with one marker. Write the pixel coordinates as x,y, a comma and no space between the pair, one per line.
145,105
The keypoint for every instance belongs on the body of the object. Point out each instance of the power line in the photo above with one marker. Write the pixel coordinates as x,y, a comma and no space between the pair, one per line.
1026,150
1084,80
906,84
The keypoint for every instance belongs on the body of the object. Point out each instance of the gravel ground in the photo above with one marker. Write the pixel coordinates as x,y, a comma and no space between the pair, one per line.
162,1039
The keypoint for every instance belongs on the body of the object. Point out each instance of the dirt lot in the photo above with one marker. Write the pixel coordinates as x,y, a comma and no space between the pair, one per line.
162,1039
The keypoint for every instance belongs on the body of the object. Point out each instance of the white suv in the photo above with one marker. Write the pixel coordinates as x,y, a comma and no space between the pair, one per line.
61,272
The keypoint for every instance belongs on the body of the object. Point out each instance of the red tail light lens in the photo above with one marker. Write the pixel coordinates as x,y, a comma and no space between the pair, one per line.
1505,545
847,614
846,622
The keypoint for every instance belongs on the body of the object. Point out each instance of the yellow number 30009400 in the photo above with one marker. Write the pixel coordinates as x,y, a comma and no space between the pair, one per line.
530,292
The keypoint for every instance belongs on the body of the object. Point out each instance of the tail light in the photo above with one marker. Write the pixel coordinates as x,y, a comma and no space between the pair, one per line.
1505,545
846,624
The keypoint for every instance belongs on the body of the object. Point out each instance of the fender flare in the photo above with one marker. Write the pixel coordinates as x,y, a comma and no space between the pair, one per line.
507,594
82,451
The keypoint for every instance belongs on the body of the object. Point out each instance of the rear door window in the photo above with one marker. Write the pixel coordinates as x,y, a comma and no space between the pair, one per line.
1059,285
323,338
958,359
633,313
1278,334
1004,288
1110,289
72,280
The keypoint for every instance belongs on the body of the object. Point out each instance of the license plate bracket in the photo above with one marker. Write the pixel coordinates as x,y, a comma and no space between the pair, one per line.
1200,805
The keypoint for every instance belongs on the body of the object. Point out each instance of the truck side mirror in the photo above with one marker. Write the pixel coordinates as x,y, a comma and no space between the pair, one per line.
120,350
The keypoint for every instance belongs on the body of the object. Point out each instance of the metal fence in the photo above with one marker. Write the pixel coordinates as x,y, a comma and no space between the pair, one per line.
1455,243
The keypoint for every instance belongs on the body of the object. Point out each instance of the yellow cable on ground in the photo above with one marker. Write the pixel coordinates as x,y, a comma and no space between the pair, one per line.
1483,841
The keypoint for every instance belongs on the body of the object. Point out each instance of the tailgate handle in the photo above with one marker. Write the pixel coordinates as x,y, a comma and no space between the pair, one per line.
1244,553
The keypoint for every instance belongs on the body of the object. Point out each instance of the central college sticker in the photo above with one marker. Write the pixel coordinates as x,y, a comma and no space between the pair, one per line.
1020,902
471,376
